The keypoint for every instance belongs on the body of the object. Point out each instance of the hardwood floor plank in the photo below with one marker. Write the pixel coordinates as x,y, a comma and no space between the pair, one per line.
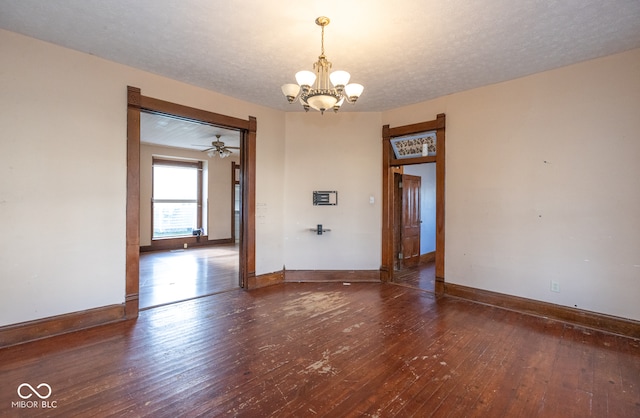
534,382
625,352
176,275
610,394
325,349
460,393
395,355
421,276
316,361
432,396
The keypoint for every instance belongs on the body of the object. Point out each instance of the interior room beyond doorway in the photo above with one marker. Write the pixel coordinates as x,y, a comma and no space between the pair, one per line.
417,270
177,275
189,204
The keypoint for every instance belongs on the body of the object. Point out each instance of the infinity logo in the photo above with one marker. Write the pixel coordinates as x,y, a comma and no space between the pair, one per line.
34,391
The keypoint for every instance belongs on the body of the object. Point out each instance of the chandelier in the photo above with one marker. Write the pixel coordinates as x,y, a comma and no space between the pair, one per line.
320,90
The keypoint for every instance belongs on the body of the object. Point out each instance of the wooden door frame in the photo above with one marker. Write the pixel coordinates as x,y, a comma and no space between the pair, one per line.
235,180
136,103
388,220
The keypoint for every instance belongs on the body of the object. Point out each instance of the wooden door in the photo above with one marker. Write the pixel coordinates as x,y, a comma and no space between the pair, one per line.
410,231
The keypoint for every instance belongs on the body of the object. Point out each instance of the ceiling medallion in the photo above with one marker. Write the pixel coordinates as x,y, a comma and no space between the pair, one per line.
320,90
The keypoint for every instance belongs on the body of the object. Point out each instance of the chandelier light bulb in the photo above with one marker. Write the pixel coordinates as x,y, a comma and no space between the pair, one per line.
305,78
291,91
353,91
339,78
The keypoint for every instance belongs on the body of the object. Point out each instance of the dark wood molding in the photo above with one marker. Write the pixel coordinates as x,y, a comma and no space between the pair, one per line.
432,125
397,217
132,305
388,166
176,163
298,276
60,324
602,322
132,256
178,243
387,265
428,257
264,280
384,274
190,113
411,161
248,203
234,181
440,196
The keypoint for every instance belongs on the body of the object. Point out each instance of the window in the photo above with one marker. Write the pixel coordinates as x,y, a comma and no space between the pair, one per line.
177,198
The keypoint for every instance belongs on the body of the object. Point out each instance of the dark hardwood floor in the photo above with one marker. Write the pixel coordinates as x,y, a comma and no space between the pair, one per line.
330,350
421,276
171,276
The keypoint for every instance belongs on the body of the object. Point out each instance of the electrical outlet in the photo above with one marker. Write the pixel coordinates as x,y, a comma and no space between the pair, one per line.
185,245
555,286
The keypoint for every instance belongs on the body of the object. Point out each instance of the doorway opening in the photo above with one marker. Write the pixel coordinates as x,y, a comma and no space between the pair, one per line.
245,247
413,155
414,225
188,229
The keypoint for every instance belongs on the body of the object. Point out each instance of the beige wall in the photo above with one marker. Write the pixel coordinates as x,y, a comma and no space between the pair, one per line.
542,184
63,175
339,152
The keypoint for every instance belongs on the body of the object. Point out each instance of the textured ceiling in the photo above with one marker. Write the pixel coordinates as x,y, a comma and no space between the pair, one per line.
179,133
403,51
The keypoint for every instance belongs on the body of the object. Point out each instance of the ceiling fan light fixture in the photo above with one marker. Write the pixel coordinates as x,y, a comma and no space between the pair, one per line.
320,90
219,149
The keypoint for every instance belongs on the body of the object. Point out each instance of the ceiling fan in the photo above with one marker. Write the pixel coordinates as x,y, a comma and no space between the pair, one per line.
219,148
